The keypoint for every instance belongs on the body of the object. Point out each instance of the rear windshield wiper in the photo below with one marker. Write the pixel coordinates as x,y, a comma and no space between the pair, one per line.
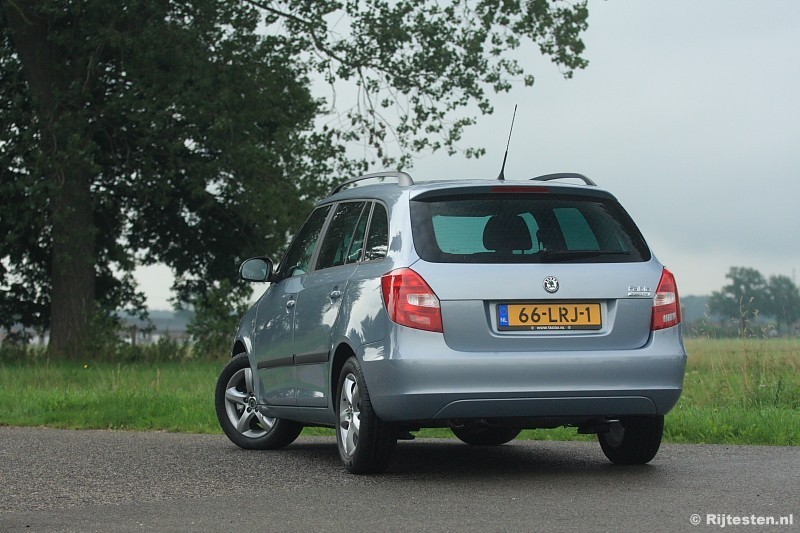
549,256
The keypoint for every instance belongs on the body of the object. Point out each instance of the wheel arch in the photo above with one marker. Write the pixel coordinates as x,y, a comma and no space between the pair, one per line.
342,353
238,347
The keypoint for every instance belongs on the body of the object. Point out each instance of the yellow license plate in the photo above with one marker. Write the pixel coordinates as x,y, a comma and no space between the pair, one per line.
549,316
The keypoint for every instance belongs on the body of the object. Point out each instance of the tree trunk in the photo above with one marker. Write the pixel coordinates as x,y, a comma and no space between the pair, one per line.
65,165
73,291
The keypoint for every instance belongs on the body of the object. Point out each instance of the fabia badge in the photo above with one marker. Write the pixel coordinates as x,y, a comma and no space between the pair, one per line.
639,290
550,284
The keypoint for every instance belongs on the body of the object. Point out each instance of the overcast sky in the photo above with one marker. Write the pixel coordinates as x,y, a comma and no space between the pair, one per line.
689,112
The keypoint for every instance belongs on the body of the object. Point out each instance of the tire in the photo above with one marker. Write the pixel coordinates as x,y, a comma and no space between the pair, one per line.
365,442
483,436
634,440
235,403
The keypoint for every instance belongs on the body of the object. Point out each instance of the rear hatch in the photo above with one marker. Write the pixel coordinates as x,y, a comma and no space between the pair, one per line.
532,268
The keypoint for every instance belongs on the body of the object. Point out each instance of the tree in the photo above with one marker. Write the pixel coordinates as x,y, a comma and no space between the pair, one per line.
185,132
784,302
142,135
743,299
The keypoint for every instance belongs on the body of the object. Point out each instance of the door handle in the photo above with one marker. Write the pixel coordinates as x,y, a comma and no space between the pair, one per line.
335,294
290,304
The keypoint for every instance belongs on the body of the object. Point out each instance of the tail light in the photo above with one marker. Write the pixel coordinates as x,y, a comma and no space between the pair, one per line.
410,301
666,304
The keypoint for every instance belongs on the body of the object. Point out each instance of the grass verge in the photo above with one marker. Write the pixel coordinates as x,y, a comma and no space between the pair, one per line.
736,392
168,396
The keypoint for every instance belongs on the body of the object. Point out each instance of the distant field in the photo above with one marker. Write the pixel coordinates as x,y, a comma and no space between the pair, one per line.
736,392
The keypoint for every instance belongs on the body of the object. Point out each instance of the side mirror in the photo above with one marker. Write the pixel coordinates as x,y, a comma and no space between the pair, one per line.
256,269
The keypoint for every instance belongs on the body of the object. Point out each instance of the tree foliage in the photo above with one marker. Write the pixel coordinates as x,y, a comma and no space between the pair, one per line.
749,295
418,61
784,302
186,132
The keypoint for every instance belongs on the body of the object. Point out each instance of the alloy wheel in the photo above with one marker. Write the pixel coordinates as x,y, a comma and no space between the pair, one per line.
242,408
349,414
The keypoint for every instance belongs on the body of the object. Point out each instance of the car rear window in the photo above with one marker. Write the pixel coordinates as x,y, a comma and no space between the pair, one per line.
524,228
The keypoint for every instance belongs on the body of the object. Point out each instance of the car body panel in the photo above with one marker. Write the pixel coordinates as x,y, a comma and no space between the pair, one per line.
316,314
273,340
469,297
425,378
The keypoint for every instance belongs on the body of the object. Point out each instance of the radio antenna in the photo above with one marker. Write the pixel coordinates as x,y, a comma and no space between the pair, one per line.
502,176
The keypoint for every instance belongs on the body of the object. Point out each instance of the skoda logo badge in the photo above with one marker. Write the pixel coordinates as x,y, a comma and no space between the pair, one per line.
550,284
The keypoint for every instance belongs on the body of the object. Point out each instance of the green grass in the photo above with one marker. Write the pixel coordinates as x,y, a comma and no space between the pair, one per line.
736,392
739,391
142,396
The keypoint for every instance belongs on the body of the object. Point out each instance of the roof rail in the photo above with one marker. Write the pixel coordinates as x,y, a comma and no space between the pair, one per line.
403,179
563,175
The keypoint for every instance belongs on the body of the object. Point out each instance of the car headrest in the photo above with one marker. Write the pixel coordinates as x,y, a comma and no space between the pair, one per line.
506,233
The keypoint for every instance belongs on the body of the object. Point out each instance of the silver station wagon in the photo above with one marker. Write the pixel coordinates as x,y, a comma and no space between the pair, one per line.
486,307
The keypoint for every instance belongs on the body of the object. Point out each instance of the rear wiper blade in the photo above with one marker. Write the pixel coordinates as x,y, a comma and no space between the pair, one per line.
559,255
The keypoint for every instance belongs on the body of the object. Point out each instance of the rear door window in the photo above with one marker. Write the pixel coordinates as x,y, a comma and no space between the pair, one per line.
524,228
378,237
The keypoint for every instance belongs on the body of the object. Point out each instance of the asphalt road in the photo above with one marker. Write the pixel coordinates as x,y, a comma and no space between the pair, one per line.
54,480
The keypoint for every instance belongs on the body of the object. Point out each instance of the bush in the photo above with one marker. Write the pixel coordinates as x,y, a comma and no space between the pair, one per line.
215,320
107,349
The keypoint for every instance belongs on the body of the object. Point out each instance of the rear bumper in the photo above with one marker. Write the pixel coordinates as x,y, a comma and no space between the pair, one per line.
414,375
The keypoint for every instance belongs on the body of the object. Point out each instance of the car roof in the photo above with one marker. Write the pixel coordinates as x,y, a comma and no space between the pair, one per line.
389,191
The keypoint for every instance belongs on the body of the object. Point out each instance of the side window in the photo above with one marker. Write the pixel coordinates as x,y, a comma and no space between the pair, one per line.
378,237
337,246
359,237
300,252
460,234
533,228
578,235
